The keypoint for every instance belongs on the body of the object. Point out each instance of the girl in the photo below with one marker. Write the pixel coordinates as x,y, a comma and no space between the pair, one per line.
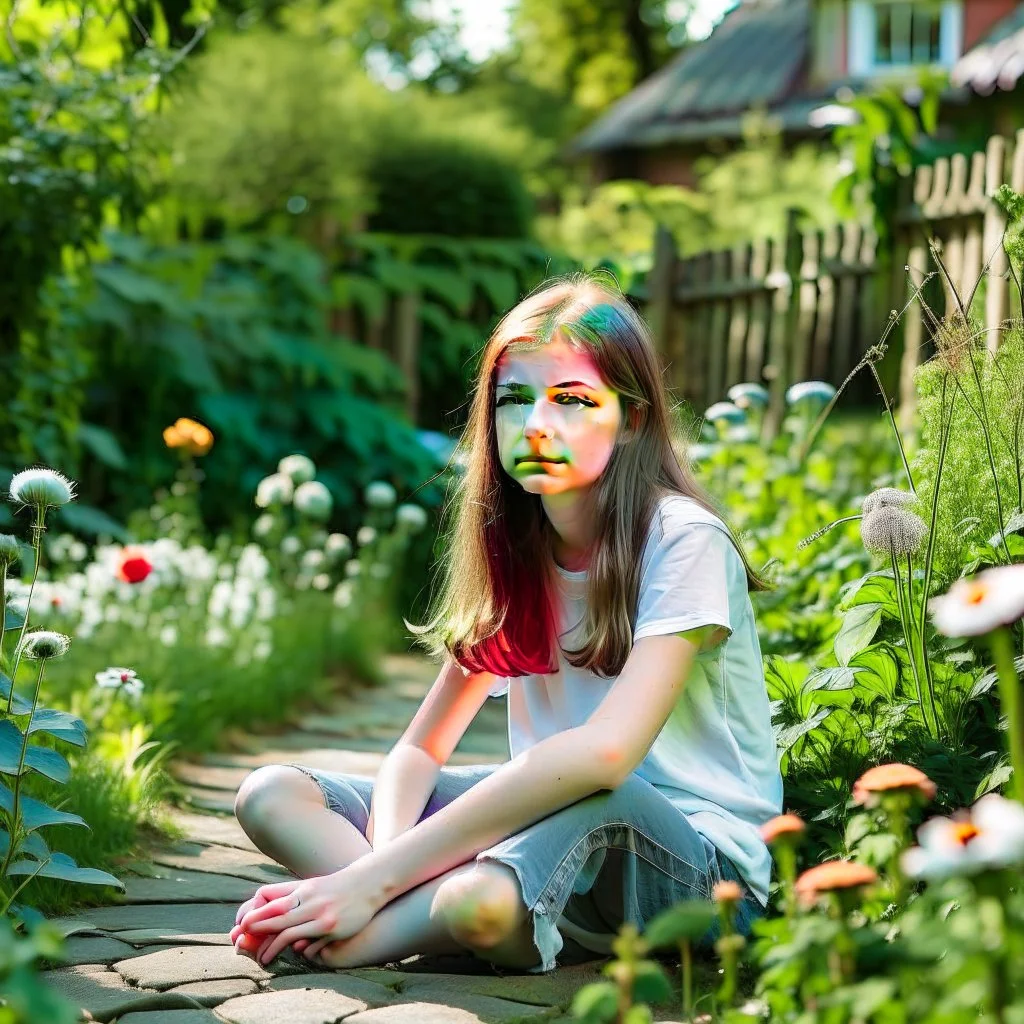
589,578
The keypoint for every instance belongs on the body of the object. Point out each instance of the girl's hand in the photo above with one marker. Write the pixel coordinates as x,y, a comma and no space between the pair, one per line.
331,907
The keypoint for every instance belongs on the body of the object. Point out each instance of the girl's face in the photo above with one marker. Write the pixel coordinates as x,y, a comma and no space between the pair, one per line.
558,408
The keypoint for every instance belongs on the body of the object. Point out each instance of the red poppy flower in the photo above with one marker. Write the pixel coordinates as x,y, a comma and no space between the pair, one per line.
134,566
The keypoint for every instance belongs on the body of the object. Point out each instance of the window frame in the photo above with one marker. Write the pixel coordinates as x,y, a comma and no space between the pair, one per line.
863,33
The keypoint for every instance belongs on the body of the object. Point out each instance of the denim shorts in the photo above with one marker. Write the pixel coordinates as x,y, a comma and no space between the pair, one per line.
618,855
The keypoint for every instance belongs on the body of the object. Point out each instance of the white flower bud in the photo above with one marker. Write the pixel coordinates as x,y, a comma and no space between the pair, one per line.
312,499
275,489
411,517
380,494
299,468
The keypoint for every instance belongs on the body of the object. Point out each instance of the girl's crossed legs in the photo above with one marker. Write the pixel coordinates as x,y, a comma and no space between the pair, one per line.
475,906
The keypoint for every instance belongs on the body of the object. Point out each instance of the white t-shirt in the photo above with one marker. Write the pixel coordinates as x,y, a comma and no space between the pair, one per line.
715,758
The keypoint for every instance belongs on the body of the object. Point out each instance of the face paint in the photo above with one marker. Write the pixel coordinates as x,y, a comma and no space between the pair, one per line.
558,409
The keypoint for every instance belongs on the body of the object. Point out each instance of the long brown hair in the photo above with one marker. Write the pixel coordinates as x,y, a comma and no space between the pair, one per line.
496,609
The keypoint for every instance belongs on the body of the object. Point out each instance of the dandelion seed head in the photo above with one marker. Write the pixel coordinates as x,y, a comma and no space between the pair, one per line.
892,530
43,644
44,488
890,496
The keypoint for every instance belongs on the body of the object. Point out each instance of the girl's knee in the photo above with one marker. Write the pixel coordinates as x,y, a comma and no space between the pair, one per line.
481,907
266,790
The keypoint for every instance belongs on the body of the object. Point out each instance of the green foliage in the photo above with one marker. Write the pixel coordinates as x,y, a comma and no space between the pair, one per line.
24,997
271,131
889,139
447,186
234,333
739,195
963,383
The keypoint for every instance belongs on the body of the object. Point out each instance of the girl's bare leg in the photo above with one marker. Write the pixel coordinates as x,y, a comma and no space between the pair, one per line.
282,811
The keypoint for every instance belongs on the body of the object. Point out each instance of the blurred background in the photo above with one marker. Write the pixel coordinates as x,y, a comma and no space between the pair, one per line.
296,221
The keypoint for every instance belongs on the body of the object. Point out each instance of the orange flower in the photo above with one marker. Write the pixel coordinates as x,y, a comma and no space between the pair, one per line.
727,891
834,874
134,565
782,825
190,435
885,778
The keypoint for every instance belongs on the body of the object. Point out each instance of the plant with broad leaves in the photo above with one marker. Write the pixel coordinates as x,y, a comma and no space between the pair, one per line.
25,854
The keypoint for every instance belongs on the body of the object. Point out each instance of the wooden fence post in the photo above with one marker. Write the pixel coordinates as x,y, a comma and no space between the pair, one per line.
787,261
992,246
407,348
913,323
660,283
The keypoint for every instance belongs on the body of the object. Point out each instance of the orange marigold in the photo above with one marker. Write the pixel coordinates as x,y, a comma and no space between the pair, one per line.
189,434
888,777
834,874
782,825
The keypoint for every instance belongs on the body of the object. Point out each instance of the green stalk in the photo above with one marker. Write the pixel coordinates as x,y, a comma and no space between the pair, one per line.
945,428
895,428
1001,642
3,616
897,579
16,806
918,630
686,958
38,527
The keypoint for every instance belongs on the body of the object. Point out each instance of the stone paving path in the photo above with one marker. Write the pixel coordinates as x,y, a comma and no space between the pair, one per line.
163,955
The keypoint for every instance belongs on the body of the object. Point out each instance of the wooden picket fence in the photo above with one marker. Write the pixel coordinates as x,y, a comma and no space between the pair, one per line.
809,304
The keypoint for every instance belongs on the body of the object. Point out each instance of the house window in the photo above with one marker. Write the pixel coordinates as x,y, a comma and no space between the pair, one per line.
900,34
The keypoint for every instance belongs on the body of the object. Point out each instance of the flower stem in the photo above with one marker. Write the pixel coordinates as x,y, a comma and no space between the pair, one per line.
911,655
16,804
1001,642
38,528
686,958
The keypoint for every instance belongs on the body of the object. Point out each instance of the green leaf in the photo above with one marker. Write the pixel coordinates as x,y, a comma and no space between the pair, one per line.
995,778
597,1002
46,762
60,724
19,706
788,736
102,443
63,867
91,521
12,620
858,630
34,845
650,984
135,287
879,675
688,919
35,814
500,286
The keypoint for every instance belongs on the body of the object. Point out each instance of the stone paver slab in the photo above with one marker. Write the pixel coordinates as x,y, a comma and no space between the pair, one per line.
172,885
169,1017
193,917
90,949
346,984
222,860
299,1006
212,828
172,936
105,995
487,1008
417,1013
556,988
215,800
213,993
183,964
208,776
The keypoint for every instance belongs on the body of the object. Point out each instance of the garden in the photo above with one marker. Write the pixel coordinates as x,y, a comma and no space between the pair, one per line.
223,489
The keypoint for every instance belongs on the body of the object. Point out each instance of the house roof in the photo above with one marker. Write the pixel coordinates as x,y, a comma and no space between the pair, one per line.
754,58
997,61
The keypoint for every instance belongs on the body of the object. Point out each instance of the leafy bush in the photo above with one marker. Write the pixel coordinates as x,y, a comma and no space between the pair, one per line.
433,184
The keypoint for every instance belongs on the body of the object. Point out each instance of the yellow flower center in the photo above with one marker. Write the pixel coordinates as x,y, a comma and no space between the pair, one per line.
976,592
964,832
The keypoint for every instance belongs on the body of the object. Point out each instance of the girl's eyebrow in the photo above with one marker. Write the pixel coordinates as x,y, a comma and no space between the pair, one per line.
514,385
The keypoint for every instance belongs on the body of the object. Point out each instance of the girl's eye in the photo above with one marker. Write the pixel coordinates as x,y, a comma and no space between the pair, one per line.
514,399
